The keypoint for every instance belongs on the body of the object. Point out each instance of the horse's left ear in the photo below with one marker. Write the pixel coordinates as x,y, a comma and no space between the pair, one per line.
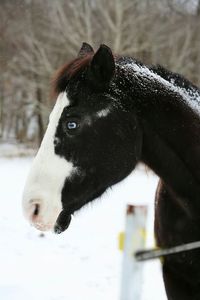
102,66
85,49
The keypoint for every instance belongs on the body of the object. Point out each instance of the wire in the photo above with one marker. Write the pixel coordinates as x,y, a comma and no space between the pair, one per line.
144,255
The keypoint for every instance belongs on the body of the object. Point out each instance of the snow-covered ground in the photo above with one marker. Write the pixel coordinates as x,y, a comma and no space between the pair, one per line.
83,263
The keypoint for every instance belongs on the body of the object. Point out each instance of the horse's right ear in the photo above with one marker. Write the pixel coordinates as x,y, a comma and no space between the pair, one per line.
102,66
85,49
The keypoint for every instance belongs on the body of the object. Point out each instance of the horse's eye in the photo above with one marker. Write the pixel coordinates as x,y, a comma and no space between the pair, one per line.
72,125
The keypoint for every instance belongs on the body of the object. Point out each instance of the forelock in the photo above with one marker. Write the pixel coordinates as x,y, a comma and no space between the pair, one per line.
68,72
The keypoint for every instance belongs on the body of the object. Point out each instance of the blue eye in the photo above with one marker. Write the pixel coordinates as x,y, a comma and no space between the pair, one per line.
72,125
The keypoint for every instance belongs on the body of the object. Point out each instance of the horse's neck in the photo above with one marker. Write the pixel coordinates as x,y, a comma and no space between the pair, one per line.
168,157
168,109
169,166
158,83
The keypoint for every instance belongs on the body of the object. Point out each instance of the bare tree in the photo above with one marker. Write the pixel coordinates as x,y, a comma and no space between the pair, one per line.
39,36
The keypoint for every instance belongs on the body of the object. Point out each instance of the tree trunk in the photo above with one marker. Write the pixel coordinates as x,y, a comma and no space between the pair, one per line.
39,115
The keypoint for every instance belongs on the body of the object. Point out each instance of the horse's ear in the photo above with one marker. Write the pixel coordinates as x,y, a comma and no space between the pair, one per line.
85,49
102,66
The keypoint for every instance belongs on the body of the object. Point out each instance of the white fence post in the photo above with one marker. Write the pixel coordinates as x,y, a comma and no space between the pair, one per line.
135,233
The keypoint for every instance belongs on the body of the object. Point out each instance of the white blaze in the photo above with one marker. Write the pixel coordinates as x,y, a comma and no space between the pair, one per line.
47,175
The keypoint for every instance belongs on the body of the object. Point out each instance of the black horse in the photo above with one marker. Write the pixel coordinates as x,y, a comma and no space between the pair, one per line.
111,113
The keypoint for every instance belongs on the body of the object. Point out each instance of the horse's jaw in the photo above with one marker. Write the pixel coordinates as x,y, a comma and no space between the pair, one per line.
62,223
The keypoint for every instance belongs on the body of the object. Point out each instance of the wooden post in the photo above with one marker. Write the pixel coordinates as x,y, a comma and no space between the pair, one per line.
132,270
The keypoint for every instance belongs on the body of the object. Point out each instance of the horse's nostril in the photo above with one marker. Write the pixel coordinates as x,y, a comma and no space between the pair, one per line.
33,210
36,210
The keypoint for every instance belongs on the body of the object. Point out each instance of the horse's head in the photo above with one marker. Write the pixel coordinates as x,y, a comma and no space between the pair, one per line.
92,141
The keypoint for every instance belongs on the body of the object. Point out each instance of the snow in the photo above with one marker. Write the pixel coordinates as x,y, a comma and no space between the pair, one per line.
83,263
103,113
13,149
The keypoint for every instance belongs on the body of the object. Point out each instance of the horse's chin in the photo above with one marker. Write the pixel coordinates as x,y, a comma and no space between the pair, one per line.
42,227
62,223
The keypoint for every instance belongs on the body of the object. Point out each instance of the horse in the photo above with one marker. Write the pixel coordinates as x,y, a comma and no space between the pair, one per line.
111,113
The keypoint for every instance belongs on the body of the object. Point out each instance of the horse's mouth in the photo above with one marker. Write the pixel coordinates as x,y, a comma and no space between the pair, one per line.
62,222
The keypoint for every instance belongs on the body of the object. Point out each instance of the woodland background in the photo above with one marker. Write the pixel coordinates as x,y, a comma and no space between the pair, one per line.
37,37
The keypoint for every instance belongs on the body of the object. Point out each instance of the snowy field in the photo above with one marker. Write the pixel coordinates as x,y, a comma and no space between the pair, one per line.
83,263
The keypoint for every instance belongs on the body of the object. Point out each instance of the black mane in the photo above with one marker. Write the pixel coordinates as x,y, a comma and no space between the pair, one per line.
176,78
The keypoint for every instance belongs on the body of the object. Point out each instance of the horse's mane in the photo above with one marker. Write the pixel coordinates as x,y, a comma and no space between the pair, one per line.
68,71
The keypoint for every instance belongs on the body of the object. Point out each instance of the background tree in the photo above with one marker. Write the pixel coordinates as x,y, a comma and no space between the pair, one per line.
36,37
